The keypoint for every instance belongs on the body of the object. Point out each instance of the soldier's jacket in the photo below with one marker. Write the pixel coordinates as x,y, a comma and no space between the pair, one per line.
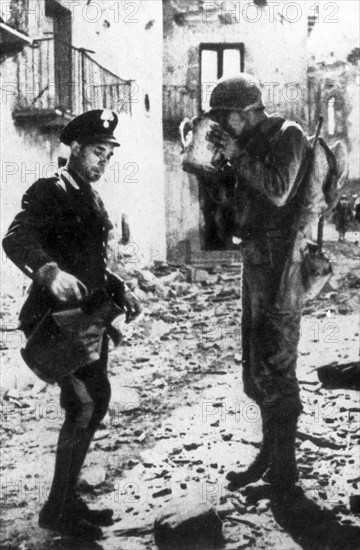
343,214
62,220
266,196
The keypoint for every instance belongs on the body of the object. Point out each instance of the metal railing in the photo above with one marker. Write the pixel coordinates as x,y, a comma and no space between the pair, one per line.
53,75
179,102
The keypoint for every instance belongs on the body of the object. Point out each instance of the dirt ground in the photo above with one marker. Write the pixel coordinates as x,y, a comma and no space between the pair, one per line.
179,419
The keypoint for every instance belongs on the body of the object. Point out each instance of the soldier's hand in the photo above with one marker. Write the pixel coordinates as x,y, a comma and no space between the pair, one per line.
131,305
67,288
224,142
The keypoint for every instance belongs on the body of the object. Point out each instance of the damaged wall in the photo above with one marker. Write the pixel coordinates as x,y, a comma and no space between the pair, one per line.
334,62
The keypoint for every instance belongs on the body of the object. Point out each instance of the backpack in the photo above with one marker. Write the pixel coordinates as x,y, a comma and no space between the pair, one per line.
326,173
325,176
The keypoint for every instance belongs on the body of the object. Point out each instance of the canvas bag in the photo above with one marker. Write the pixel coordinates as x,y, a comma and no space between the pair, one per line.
67,340
327,171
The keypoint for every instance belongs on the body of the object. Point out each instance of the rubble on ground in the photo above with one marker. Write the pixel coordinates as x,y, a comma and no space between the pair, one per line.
179,419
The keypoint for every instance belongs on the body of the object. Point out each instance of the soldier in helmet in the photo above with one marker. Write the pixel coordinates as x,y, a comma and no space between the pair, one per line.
59,240
343,216
268,157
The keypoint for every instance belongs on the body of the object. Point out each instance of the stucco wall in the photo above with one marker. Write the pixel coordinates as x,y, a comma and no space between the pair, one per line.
333,75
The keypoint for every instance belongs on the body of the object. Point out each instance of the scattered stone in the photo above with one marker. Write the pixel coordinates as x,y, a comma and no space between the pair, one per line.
141,438
147,280
162,493
103,434
176,451
251,509
13,393
308,446
331,296
188,522
142,359
263,506
344,376
191,446
159,329
92,477
225,509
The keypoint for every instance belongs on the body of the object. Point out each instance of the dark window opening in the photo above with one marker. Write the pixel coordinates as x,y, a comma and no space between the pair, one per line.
62,52
216,61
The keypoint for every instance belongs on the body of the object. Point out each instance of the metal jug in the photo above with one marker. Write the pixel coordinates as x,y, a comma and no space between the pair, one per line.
199,155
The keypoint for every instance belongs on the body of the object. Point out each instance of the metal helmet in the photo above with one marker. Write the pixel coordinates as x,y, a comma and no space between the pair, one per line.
238,93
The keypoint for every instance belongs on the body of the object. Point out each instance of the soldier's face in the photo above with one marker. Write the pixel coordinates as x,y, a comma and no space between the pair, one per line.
92,160
236,123
233,122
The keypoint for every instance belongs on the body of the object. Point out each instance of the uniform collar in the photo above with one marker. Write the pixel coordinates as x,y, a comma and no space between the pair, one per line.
75,180
64,173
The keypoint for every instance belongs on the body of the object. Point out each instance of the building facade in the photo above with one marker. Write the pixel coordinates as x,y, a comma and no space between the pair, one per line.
334,83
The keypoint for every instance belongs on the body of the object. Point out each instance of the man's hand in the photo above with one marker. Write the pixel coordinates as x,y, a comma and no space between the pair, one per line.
123,297
67,288
131,305
224,142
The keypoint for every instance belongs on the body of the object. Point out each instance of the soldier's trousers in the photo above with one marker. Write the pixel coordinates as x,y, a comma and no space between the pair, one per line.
270,336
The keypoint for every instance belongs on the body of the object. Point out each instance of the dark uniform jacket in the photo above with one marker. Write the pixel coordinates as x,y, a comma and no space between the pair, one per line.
267,196
63,221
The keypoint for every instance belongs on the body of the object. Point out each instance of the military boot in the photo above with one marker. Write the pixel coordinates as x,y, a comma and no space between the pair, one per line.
283,473
68,524
259,466
80,509
56,514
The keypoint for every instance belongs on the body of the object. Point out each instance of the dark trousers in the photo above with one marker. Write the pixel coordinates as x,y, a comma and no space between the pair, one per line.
85,396
271,316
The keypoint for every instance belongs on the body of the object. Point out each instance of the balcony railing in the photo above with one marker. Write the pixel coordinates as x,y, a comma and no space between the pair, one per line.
57,77
178,102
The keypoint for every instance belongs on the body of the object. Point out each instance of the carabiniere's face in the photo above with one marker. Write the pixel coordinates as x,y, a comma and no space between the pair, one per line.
93,160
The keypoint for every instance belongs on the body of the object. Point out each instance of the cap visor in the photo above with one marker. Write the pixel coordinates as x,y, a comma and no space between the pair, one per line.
101,139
